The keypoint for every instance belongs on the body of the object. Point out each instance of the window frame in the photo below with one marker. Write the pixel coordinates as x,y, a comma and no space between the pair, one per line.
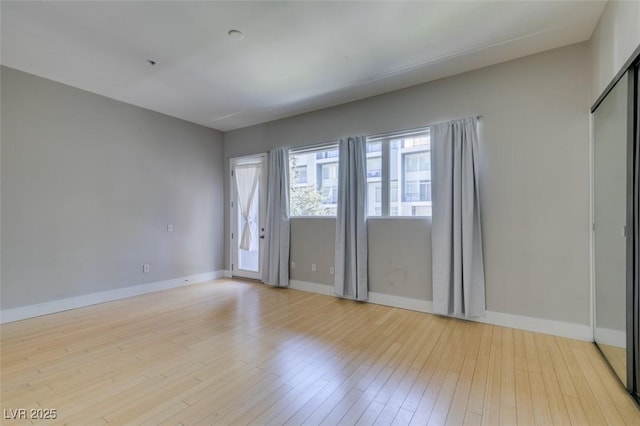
385,178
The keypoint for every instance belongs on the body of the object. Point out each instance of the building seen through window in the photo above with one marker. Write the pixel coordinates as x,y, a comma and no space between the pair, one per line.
405,189
313,180
398,177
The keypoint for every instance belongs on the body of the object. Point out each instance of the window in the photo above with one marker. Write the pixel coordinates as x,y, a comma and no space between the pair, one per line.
374,167
394,191
313,188
329,194
400,165
328,171
417,191
420,210
300,175
417,161
411,191
374,178
374,198
327,153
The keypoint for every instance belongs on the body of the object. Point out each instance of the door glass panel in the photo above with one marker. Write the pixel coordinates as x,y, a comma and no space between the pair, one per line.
249,204
247,213
610,198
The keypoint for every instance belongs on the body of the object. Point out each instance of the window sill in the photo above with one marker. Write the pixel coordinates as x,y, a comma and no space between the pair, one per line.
398,217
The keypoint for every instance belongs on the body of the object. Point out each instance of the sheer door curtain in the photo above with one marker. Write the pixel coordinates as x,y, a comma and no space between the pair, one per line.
247,179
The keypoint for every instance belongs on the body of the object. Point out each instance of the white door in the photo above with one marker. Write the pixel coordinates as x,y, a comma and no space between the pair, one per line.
248,208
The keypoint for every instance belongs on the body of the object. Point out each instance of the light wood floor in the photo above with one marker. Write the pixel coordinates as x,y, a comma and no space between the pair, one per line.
230,352
617,358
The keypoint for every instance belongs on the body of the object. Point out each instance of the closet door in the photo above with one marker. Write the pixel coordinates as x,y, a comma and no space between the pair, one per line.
633,253
610,226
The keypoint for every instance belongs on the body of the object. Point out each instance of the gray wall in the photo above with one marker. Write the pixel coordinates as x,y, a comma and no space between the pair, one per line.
534,177
89,185
401,268
615,38
312,241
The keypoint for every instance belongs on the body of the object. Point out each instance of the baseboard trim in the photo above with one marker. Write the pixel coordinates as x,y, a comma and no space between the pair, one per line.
31,311
538,325
556,328
401,302
311,287
610,337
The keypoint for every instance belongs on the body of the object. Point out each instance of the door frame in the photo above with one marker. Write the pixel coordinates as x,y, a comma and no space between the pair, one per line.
631,72
233,214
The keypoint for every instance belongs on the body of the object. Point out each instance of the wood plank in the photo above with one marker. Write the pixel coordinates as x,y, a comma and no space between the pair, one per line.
524,404
479,381
557,406
234,352
371,414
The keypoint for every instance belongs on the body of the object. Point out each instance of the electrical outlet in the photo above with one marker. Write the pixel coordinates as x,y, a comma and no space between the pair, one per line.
293,265
331,270
169,228
313,267
146,268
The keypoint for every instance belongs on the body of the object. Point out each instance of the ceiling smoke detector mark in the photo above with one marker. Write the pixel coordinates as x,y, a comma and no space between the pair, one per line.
235,34
151,62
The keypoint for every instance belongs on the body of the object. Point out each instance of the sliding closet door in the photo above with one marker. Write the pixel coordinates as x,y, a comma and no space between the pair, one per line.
610,226
634,270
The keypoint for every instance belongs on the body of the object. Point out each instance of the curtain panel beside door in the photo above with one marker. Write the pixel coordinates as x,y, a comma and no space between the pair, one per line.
277,230
457,258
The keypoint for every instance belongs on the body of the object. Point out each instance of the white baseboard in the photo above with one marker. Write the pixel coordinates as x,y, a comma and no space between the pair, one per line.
400,302
556,328
30,311
539,325
611,337
311,287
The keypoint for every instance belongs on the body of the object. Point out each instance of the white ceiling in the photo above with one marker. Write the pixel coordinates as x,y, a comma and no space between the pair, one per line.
295,56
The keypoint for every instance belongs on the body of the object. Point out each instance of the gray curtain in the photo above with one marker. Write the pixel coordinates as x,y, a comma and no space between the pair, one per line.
350,280
276,256
458,269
